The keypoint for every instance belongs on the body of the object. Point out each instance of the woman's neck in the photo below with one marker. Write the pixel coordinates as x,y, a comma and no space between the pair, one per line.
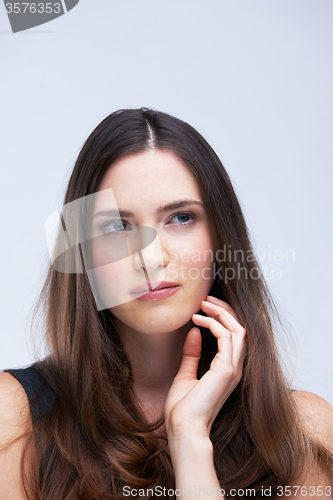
154,358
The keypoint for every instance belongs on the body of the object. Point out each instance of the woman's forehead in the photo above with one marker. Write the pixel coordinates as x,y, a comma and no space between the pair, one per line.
154,175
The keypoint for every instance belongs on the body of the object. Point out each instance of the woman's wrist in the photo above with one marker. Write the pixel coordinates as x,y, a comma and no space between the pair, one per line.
185,434
193,465
193,446
182,428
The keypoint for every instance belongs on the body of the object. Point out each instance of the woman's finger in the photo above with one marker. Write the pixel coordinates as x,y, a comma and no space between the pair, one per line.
224,336
225,305
229,322
191,355
225,318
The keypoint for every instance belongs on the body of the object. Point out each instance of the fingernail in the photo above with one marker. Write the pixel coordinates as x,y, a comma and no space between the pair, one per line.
210,297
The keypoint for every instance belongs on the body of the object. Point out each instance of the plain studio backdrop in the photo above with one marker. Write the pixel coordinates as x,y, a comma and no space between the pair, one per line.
254,77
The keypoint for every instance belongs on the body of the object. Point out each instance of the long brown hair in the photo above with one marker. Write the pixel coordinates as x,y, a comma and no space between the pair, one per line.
96,440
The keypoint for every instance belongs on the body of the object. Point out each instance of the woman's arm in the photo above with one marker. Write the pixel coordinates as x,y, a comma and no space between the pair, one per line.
192,405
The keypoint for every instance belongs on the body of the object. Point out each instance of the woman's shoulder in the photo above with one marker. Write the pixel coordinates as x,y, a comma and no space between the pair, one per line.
15,392
27,386
25,396
14,405
15,421
316,416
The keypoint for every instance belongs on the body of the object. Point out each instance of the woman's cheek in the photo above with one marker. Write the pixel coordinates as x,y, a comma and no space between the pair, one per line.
198,263
112,283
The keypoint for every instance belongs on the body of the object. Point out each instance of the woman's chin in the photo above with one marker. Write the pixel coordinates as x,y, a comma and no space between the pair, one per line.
157,326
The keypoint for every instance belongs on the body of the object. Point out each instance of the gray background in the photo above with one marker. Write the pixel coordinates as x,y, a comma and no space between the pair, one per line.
254,77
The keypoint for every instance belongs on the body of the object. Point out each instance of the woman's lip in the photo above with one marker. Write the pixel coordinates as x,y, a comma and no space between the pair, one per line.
159,294
154,286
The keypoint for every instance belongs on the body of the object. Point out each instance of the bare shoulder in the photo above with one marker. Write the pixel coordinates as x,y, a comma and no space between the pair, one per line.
316,418
316,415
15,421
14,405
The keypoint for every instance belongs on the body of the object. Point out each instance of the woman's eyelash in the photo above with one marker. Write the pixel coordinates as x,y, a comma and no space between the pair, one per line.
193,216
104,226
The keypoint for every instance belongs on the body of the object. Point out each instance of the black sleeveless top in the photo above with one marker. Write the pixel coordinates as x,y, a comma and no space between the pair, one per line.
40,395
42,398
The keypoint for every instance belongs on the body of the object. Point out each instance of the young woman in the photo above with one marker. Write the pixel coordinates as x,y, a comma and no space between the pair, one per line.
163,378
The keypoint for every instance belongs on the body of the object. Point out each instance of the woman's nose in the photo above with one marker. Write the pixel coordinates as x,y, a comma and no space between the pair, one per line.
152,258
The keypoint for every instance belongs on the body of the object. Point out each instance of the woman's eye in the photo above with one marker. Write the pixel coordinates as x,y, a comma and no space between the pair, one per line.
184,217
116,226
119,226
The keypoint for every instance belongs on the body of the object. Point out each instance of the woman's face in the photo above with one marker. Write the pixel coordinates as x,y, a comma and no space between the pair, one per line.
182,254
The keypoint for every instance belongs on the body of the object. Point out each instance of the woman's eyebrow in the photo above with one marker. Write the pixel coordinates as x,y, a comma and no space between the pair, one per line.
177,204
166,208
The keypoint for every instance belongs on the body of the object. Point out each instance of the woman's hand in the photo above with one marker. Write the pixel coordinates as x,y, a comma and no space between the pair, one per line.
192,405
